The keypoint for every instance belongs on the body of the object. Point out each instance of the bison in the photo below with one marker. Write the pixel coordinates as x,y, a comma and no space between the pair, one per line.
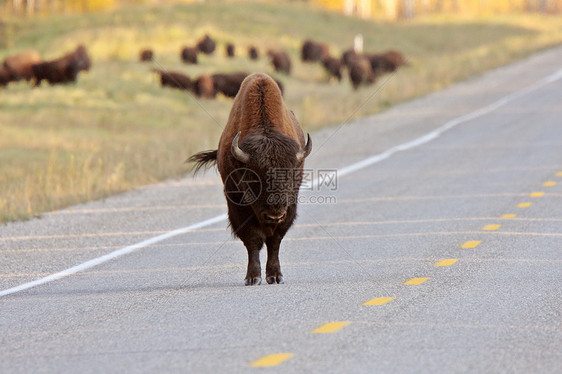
253,53
280,60
333,66
20,66
5,76
230,50
189,55
204,87
146,55
175,80
260,158
64,69
312,51
206,45
386,62
229,83
347,56
360,72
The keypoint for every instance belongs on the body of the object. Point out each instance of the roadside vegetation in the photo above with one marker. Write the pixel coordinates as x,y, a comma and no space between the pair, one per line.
117,128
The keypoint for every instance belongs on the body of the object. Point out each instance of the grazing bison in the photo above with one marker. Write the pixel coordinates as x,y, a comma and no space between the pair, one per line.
229,83
5,76
20,66
204,87
146,55
64,69
312,51
260,158
253,53
280,60
347,56
387,62
230,50
189,55
175,80
333,66
360,72
206,45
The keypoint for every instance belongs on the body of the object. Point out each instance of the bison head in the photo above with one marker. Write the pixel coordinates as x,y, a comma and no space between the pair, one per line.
277,162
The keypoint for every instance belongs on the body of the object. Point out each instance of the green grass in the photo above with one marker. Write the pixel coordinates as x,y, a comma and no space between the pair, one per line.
117,129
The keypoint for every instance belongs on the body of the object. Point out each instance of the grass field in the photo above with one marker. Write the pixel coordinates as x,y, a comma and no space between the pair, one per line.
117,129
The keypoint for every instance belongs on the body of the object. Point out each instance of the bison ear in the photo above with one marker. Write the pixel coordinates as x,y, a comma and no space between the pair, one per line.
303,153
239,154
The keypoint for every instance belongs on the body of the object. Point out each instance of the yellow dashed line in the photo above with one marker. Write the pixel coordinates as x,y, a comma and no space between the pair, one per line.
536,194
415,281
330,327
379,301
559,174
447,262
491,227
549,184
523,205
508,216
272,360
471,244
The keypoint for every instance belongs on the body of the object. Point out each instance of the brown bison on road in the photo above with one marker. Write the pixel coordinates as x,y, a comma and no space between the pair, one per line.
262,138
19,66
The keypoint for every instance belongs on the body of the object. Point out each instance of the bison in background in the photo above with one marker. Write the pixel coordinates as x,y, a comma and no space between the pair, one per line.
333,66
64,69
230,50
204,87
5,76
280,60
386,62
253,53
312,51
146,55
20,66
206,45
360,72
229,83
175,80
189,55
261,139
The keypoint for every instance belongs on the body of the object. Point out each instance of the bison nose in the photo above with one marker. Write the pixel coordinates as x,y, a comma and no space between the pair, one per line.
273,218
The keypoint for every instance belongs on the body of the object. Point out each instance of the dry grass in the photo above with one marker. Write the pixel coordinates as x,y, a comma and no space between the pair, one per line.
117,128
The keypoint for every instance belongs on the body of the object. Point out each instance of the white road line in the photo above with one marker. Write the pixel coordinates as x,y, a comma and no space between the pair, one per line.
341,172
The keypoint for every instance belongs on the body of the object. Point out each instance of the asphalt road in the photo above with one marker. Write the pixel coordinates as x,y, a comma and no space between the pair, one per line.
437,249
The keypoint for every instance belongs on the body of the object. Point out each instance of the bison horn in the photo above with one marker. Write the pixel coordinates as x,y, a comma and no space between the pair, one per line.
239,154
303,153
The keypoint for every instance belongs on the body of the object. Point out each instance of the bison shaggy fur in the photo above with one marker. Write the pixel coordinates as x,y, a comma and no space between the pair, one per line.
262,138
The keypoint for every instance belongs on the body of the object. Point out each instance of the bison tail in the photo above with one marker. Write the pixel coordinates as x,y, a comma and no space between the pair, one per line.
203,159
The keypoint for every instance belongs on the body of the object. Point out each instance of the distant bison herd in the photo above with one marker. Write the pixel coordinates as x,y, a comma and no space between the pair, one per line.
362,68
29,66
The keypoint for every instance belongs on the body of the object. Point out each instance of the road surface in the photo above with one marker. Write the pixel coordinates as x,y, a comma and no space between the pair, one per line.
437,249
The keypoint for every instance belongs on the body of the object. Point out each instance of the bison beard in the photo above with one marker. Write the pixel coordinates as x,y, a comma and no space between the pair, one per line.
262,136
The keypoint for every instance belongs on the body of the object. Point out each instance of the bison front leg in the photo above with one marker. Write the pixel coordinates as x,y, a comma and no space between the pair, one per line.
253,274
273,268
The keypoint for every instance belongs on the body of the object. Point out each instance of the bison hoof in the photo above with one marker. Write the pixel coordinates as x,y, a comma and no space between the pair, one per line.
275,279
252,281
